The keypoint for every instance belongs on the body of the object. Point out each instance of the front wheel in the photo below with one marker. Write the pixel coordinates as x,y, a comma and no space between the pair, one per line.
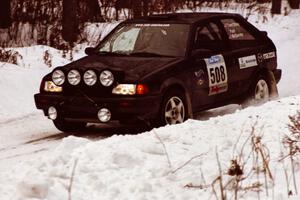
173,109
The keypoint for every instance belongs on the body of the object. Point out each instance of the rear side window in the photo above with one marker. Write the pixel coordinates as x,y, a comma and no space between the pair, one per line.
235,31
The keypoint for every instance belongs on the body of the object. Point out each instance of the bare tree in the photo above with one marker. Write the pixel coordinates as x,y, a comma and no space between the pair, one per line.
295,4
136,8
276,7
69,21
5,18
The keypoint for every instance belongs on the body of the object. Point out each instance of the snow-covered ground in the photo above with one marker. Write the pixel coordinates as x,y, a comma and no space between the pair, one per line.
36,164
153,165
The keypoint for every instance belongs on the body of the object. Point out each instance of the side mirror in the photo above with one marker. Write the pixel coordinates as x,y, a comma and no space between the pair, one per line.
89,50
201,53
264,33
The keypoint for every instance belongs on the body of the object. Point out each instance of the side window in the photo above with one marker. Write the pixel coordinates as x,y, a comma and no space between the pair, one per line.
203,35
235,31
208,37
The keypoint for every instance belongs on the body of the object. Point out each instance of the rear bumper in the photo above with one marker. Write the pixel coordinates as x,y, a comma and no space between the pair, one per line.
277,75
86,109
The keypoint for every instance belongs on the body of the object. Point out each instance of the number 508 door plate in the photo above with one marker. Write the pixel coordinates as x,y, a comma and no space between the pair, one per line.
217,74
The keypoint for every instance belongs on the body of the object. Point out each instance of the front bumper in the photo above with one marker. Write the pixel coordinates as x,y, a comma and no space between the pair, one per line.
84,108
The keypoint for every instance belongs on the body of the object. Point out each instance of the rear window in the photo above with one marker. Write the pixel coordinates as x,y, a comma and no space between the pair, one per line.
235,31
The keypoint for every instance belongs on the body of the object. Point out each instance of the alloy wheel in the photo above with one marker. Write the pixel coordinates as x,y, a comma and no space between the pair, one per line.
261,91
174,111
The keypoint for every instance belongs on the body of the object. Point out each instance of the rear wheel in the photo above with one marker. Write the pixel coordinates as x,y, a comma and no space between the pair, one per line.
173,109
66,126
259,92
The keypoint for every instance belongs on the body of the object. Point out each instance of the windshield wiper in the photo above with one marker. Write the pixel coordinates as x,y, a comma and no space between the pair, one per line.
116,53
147,54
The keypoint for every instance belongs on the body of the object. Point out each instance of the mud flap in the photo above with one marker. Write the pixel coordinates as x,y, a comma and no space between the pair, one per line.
189,106
272,83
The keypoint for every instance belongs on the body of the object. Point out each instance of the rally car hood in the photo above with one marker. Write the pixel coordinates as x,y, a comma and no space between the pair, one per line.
134,68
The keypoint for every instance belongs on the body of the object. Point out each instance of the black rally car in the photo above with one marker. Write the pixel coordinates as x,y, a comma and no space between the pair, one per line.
163,69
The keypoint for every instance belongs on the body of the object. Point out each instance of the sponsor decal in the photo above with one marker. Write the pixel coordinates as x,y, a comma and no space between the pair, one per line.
199,73
269,55
200,77
260,57
248,61
218,89
214,59
152,25
217,74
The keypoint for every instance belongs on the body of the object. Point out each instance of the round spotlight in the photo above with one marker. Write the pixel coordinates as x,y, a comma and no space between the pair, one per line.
104,115
106,78
74,77
90,77
58,77
52,113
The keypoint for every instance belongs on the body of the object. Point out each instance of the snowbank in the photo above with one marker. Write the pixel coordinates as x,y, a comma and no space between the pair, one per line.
20,82
153,165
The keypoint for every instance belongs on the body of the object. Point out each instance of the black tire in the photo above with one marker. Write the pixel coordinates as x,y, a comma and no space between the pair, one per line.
66,126
259,93
173,108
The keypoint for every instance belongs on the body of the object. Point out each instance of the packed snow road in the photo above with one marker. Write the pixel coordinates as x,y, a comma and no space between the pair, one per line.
26,137
33,135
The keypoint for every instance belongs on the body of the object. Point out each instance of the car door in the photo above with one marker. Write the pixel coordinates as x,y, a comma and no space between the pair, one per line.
211,66
245,50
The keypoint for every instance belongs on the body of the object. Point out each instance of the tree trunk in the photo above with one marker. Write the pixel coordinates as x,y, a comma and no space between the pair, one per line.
94,11
117,7
5,17
137,8
69,21
294,4
276,7
145,7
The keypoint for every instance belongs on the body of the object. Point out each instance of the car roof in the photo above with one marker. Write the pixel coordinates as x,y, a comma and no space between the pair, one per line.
187,18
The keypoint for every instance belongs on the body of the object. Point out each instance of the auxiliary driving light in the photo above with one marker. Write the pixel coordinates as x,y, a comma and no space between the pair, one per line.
104,115
74,77
106,78
52,113
90,77
58,77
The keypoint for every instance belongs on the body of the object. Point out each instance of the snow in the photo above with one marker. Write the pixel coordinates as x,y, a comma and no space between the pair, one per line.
163,163
136,166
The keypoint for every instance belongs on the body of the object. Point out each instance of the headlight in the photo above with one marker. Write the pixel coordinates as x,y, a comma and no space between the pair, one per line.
58,77
106,78
125,89
51,87
74,77
90,77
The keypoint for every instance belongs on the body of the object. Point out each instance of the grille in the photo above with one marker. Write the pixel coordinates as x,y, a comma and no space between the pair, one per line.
82,90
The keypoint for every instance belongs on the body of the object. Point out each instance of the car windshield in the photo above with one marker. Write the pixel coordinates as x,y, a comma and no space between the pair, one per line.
147,40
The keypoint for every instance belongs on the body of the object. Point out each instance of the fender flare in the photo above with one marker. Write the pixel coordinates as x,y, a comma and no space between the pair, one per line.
272,84
175,83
